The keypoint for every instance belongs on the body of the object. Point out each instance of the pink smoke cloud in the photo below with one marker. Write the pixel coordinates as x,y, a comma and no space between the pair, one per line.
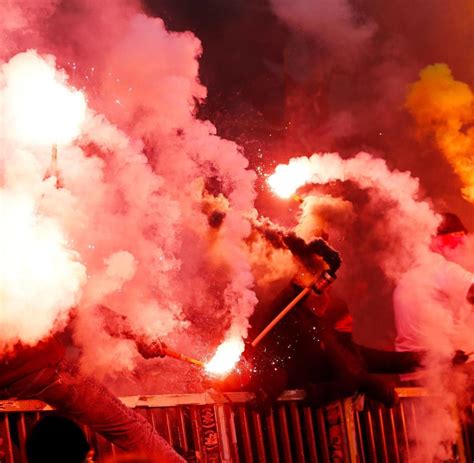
131,205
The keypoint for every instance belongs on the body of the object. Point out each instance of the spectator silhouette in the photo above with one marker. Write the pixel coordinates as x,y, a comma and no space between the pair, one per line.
56,439
131,458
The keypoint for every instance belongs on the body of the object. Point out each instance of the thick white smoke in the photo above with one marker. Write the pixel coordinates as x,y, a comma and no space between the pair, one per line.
135,180
411,222
41,275
326,215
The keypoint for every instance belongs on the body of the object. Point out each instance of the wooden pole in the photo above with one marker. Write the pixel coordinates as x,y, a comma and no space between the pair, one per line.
319,285
53,170
54,156
176,355
290,306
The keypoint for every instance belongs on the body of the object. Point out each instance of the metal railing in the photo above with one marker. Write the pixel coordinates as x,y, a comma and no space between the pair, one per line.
212,427
393,435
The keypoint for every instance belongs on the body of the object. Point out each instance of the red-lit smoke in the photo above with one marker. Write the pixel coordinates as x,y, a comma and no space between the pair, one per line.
135,179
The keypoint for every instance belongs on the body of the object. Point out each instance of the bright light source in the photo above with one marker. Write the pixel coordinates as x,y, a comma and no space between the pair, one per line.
226,356
288,178
39,108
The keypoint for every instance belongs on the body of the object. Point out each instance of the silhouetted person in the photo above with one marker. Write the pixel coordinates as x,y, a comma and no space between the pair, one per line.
56,439
434,300
41,372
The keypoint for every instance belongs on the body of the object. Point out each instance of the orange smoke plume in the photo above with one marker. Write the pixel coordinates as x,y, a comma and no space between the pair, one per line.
444,107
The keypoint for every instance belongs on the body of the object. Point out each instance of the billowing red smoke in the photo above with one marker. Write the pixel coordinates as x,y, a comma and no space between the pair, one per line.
113,192
126,226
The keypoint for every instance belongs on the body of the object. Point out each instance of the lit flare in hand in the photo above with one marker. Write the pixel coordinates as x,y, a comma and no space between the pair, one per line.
288,178
40,109
226,357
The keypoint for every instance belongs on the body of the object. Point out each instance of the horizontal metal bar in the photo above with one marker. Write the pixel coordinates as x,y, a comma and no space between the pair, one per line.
158,401
171,400
405,392
292,431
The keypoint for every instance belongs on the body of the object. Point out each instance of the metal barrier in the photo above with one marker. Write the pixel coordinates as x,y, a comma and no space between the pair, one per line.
394,435
222,428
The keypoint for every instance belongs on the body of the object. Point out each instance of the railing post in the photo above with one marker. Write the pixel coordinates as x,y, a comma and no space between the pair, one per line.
223,433
210,436
6,448
350,428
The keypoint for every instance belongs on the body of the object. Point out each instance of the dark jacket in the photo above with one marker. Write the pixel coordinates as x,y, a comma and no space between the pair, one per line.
23,360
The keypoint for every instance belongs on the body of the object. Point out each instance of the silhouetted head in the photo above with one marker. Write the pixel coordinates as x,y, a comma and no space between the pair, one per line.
450,223
450,233
56,439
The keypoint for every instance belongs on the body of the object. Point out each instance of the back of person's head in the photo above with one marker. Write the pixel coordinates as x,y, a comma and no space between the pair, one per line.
450,234
131,458
56,439
450,223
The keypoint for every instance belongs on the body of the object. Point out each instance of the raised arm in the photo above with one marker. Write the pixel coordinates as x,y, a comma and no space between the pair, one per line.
119,326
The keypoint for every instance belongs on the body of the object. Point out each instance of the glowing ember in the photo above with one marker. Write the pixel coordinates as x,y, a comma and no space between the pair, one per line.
288,178
39,108
226,356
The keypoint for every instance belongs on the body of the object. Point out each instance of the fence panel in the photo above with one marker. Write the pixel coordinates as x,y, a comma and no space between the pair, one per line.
222,428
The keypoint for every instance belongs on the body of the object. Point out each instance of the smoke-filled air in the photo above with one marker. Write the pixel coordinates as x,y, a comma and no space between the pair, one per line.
115,207
158,160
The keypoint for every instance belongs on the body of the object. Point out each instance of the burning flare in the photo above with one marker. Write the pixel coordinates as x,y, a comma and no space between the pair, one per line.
39,109
288,178
226,356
